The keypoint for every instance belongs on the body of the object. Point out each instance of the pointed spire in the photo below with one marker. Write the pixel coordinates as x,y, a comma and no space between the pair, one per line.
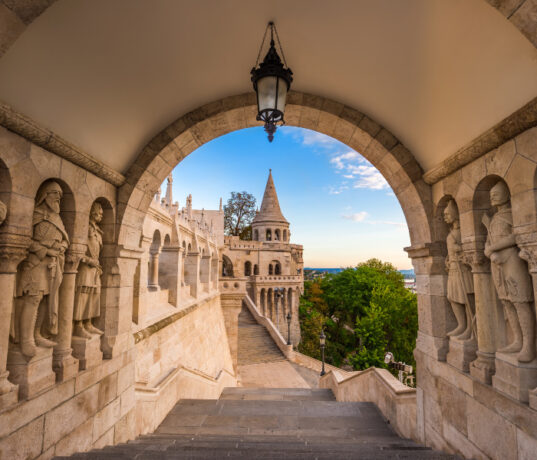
270,206
169,196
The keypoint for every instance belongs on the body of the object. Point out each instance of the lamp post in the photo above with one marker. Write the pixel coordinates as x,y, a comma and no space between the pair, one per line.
288,328
400,366
322,342
278,294
272,81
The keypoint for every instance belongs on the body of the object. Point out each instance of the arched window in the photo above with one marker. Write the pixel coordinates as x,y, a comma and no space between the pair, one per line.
256,235
269,235
270,269
277,269
285,235
277,234
256,270
227,267
247,268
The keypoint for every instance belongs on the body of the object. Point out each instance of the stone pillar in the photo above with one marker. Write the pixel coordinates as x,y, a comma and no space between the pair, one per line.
11,254
170,264
486,315
117,300
205,269
64,364
192,269
434,313
153,271
231,308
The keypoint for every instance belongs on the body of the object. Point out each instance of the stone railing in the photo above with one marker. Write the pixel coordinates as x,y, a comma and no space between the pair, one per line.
288,278
396,401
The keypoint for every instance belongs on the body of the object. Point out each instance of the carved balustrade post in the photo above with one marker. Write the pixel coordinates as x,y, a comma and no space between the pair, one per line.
153,270
486,312
64,363
13,249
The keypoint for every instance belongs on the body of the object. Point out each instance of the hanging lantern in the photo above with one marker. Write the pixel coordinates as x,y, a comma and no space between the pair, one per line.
272,81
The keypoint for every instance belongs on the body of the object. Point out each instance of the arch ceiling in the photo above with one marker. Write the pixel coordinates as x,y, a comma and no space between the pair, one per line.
107,75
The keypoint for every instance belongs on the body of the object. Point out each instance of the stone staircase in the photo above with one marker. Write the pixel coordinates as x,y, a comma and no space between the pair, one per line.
255,343
270,423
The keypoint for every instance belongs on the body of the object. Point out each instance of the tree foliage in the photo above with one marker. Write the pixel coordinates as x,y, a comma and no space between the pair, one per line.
365,311
239,212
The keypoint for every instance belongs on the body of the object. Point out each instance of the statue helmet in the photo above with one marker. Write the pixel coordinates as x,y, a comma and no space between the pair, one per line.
49,187
503,190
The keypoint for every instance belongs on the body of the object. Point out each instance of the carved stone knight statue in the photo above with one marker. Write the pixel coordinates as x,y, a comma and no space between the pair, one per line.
88,280
510,275
41,274
460,284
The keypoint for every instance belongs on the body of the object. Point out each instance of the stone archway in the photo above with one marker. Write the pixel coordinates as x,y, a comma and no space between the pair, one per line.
169,147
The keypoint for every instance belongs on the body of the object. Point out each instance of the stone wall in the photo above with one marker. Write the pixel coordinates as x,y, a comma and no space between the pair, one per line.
476,281
184,356
73,371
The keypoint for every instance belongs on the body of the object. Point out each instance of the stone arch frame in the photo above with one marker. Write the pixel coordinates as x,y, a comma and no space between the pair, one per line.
270,269
256,235
227,267
393,160
247,268
256,269
277,236
5,188
268,234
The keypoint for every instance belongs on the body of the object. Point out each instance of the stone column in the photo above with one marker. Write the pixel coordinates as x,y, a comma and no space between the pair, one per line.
205,269
486,315
11,254
528,252
153,271
63,362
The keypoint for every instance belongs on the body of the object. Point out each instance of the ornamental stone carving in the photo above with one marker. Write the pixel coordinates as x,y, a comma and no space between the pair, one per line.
41,274
460,284
88,280
510,275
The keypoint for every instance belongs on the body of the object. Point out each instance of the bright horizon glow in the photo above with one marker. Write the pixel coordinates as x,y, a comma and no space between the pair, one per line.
340,208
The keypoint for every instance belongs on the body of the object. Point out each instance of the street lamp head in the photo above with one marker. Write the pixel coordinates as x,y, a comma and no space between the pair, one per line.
272,81
322,339
388,357
288,317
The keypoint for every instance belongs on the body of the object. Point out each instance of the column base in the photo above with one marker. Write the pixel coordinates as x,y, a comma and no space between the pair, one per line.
514,378
8,392
32,375
65,365
483,368
87,351
461,353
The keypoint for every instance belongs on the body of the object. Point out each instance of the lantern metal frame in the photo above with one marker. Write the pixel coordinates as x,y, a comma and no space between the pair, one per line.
271,66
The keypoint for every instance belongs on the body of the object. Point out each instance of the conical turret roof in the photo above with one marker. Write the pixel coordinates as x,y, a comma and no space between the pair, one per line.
270,207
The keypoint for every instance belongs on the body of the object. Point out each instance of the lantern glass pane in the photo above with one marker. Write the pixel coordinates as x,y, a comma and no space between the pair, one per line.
282,93
266,93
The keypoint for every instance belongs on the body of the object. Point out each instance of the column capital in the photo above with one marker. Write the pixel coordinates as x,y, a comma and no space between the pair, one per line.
13,249
476,259
73,256
528,252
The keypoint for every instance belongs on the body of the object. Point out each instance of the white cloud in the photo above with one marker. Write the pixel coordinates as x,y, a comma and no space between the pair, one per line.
356,217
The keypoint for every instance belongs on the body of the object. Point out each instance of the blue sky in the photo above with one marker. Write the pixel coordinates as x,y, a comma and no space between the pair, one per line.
339,206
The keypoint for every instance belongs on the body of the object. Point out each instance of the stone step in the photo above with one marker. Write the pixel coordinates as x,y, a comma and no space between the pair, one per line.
277,394
272,423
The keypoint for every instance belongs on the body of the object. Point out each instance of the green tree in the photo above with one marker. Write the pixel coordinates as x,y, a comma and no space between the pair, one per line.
365,311
239,212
